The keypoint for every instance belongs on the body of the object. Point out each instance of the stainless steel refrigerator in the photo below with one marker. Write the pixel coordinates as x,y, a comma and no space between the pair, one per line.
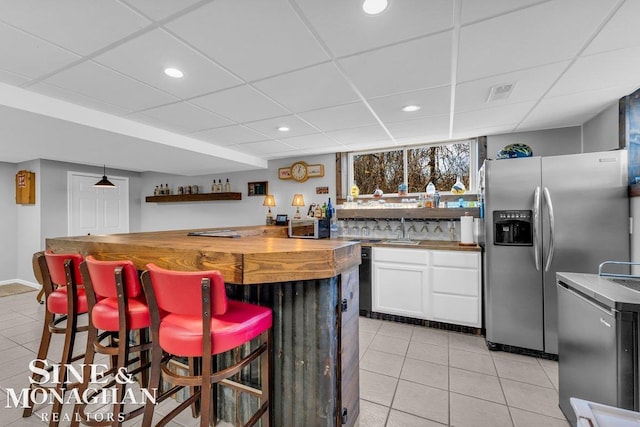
543,215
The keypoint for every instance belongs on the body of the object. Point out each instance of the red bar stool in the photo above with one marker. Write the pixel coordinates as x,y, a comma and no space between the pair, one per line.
117,306
201,322
65,299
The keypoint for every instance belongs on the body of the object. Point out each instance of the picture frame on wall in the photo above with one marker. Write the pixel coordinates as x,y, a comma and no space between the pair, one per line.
629,108
258,188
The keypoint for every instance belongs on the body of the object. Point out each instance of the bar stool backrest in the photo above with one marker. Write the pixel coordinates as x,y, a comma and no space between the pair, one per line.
55,264
178,291
104,281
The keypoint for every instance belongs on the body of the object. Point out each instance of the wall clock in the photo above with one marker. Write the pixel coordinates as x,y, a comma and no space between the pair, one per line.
300,171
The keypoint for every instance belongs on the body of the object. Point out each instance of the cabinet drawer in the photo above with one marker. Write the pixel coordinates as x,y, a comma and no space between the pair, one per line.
459,281
456,259
403,256
456,309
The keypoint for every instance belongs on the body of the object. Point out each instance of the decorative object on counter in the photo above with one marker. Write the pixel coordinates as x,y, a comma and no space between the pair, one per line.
300,171
515,150
466,229
377,193
402,189
298,201
269,201
355,191
258,188
458,187
104,182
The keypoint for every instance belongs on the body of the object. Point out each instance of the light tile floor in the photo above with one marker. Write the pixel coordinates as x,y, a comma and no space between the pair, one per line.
417,376
409,376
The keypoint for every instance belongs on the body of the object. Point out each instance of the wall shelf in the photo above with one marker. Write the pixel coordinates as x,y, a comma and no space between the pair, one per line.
200,197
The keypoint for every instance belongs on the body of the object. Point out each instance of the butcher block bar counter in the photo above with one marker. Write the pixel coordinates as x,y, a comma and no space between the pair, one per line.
311,286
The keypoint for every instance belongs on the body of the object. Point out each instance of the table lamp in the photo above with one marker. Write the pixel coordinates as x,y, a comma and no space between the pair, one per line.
269,201
298,201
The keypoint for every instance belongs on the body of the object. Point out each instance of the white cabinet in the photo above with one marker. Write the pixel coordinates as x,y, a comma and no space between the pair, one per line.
456,287
444,286
400,282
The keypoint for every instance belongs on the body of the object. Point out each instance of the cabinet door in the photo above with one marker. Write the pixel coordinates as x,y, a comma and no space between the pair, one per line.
400,289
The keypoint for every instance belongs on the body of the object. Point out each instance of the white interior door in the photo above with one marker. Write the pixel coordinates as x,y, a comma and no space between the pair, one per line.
97,210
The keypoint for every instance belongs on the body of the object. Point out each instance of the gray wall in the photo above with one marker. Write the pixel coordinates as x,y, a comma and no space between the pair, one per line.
601,132
248,211
550,142
8,221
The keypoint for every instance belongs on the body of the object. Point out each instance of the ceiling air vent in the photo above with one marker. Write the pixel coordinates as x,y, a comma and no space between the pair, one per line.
499,92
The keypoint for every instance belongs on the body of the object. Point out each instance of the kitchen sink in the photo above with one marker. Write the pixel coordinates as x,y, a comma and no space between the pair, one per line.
402,242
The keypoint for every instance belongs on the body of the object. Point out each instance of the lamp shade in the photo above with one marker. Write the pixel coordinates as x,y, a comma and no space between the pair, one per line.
104,182
298,200
269,200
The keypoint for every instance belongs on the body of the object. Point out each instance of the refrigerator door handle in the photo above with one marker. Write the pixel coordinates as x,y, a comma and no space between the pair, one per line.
536,215
552,228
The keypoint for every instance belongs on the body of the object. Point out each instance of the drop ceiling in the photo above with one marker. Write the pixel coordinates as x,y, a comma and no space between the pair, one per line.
83,81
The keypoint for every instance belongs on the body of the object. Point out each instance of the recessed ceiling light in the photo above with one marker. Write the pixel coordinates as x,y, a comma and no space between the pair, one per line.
499,92
173,72
374,7
410,108
284,129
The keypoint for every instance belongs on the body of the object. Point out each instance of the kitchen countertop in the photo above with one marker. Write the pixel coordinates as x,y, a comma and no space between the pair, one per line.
603,290
440,245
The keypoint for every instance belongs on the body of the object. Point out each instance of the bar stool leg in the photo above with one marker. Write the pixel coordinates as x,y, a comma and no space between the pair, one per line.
43,350
67,357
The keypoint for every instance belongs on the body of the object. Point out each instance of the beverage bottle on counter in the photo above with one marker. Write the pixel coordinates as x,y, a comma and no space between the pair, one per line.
219,187
324,210
227,186
213,186
329,209
166,189
436,199
355,191
318,211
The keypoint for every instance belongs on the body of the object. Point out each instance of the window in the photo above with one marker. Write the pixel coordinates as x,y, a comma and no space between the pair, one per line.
415,165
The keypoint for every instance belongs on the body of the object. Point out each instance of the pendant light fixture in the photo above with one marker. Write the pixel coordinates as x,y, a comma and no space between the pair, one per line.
104,182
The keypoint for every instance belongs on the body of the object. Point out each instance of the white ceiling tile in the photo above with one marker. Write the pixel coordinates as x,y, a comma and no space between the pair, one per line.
253,38
229,135
432,102
340,117
270,127
520,40
160,9
501,115
420,129
310,141
487,130
29,56
621,31
364,134
77,98
529,84
242,104
80,26
12,78
261,147
145,58
417,64
335,21
95,81
312,151
182,116
309,89
608,69
474,10
571,110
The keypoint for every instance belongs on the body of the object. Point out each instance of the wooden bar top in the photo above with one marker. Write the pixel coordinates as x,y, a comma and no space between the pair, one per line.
262,254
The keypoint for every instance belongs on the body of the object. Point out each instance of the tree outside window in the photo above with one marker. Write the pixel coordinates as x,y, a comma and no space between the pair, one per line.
440,164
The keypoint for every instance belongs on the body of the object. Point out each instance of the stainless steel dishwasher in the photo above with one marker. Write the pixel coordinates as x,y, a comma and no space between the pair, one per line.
365,281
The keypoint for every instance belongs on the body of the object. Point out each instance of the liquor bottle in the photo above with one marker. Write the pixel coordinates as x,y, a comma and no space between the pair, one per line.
219,186
324,210
166,189
213,186
156,191
318,212
227,186
329,209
